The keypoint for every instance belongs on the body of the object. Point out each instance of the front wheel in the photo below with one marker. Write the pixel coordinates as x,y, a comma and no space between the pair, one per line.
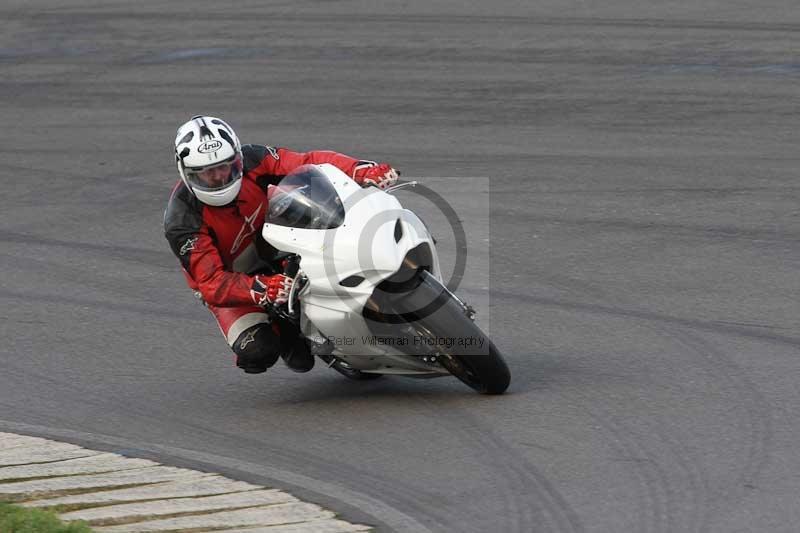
460,346
486,373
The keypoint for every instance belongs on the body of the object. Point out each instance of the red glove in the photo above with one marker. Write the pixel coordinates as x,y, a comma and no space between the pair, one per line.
271,290
380,175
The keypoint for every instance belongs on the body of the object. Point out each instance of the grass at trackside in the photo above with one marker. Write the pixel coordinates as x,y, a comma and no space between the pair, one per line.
15,519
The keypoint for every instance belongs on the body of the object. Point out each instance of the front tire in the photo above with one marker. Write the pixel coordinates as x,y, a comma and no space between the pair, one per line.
485,373
434,314
484,370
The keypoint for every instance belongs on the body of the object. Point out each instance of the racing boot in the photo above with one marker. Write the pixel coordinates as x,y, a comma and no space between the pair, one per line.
294,350
256,349
297,356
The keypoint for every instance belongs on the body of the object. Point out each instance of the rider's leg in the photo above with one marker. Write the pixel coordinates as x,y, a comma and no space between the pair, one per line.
258,343
250,336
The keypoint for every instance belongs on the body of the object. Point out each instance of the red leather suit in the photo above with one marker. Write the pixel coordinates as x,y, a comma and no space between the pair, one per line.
218,246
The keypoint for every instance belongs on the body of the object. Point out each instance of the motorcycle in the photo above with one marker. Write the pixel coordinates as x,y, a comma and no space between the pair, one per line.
368,296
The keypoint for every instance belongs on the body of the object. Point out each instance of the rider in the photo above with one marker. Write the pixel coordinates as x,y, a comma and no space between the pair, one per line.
213,222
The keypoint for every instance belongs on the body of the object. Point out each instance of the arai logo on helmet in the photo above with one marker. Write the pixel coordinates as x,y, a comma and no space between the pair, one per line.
209,146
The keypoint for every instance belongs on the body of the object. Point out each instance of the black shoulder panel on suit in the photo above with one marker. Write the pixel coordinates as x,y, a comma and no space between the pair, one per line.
182,221
254,154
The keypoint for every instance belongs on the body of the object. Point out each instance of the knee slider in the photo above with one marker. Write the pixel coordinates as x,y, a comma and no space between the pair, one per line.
256,348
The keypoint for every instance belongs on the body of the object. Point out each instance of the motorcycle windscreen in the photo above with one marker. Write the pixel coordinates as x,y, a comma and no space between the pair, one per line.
305,199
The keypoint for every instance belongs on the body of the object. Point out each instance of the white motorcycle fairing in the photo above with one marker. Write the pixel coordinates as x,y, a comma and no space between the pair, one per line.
344,265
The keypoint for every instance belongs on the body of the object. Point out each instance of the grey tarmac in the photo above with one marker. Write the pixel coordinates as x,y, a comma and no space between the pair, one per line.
627,172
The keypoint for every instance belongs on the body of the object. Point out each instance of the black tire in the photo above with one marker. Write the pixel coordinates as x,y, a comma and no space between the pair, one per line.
434,313
486,373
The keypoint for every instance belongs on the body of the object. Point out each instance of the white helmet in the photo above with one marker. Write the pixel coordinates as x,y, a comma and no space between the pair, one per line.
206,143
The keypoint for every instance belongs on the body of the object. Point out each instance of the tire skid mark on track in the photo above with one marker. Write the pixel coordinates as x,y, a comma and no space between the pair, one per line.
693,493
516,511
699,486
757,414
513,495
757,418
697,494
704,325
698,483
522,513
528,475
519,514
653,497
655,509
653,470
524,478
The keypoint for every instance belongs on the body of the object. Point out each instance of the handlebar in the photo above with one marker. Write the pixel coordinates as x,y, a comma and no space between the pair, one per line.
401,186
291,268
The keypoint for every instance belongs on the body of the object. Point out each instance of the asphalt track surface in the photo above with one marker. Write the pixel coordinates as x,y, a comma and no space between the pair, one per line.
634,242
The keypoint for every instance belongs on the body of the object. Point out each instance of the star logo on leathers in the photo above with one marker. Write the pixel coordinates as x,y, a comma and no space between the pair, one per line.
188,246
250,337
247,229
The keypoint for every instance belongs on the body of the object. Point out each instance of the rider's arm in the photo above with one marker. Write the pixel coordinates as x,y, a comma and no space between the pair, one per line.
265,160
222,288
218,286
193,245
265,163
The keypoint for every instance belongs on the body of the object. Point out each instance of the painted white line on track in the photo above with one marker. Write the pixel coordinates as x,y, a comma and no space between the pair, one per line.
42,473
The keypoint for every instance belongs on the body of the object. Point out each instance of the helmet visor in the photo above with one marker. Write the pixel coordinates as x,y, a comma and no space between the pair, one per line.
217,176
